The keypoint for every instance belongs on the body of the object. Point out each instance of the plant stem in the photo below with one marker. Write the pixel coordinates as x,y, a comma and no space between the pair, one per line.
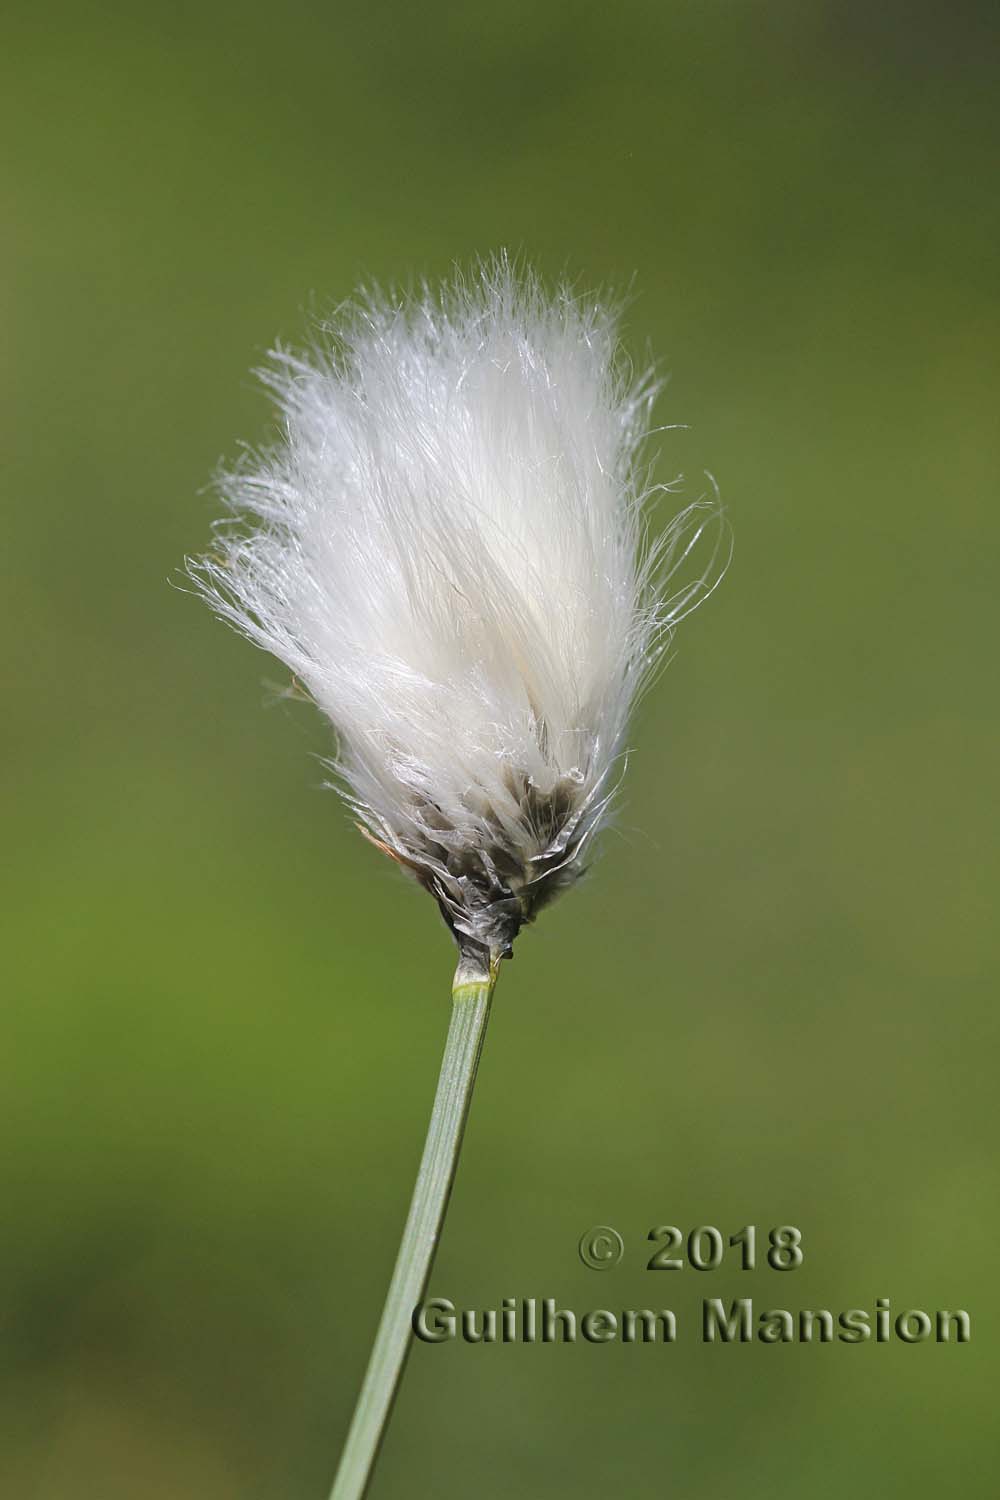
471,993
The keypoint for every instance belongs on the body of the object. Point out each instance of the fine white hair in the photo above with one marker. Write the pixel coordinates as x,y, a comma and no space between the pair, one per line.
448,549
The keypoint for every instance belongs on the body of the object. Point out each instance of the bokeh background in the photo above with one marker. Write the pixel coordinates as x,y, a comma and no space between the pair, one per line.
774,1001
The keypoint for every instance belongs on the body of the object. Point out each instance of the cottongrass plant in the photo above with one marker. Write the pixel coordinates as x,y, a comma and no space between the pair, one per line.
448,548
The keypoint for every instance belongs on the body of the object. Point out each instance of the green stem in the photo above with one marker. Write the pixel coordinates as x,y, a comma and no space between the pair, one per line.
471,993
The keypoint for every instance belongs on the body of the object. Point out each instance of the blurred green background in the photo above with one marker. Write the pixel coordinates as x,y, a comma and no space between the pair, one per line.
224,1013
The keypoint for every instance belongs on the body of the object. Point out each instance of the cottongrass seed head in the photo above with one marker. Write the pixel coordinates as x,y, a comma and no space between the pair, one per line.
448,549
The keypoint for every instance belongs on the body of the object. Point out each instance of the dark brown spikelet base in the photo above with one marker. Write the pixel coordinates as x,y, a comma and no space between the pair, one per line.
487,894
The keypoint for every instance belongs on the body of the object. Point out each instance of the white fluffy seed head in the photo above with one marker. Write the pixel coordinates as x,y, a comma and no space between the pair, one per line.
447,548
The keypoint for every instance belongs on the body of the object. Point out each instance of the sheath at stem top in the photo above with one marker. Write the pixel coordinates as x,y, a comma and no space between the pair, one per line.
447,546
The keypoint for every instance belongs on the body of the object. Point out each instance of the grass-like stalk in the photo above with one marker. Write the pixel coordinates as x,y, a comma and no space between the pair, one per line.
472,993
